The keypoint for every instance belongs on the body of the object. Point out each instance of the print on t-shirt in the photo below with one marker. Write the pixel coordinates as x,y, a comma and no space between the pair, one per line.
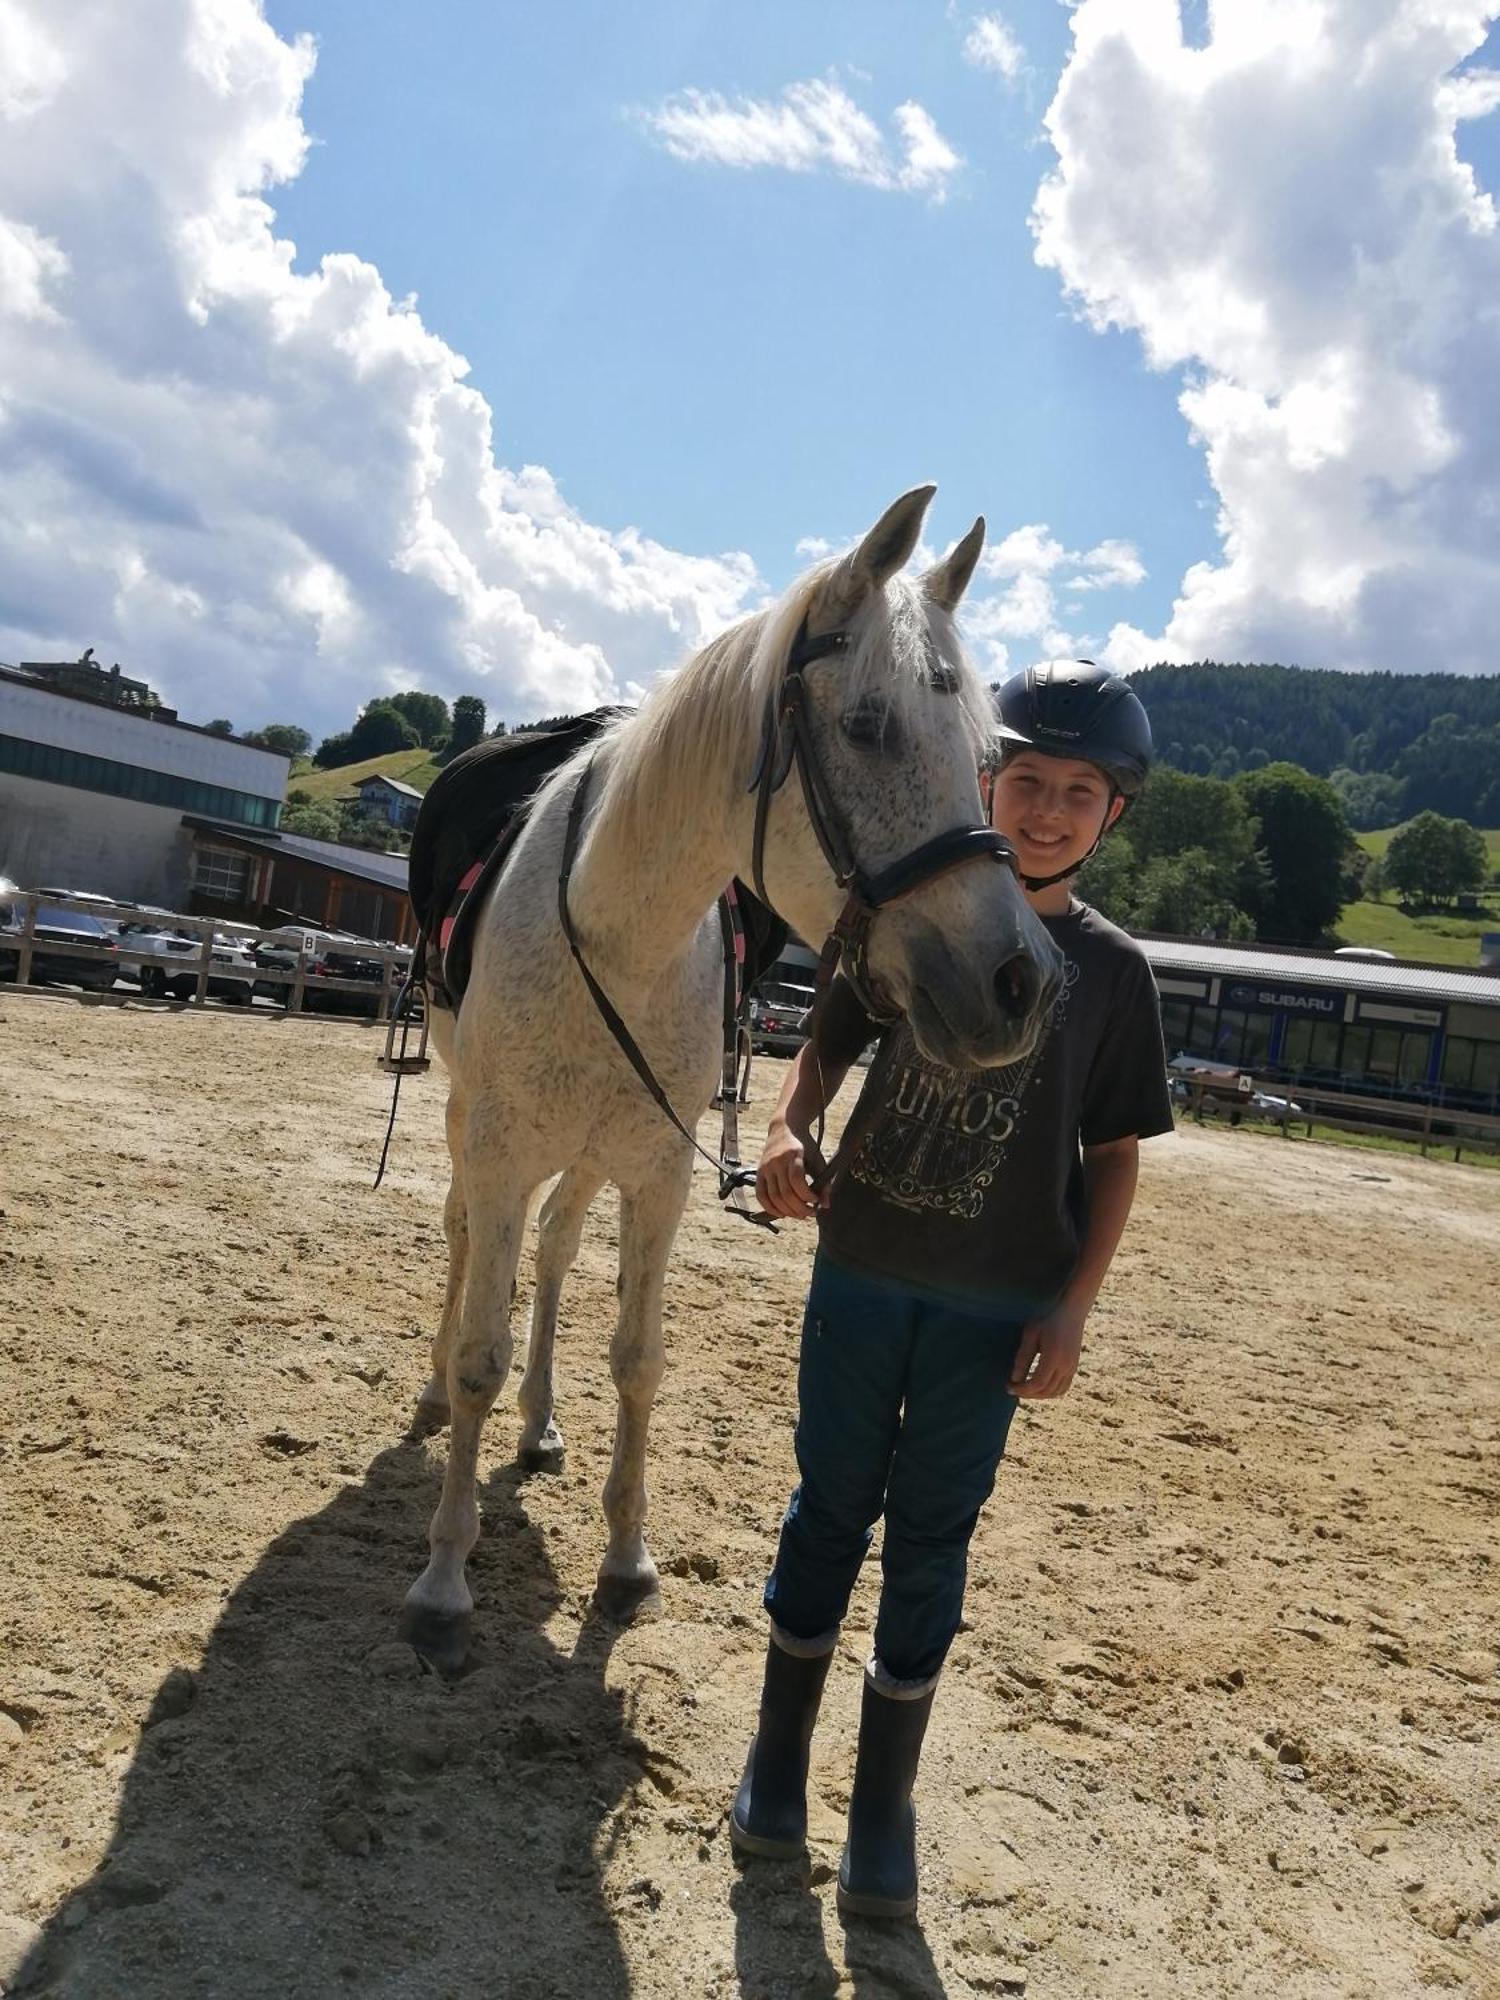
944,1133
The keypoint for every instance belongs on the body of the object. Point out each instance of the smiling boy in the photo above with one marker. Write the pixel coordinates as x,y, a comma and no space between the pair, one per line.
960,1253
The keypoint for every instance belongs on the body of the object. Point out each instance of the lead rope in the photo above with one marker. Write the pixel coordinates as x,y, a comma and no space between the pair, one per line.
400,1011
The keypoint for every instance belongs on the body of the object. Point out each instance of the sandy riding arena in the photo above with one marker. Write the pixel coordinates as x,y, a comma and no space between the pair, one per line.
1225,1719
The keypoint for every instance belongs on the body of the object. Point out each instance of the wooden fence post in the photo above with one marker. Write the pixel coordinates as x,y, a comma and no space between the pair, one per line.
28,941
205,958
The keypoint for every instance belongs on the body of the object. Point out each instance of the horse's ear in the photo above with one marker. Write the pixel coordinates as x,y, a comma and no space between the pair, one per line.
946,582
886,548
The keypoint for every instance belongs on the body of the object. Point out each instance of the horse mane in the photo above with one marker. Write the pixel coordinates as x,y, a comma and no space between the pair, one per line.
706,716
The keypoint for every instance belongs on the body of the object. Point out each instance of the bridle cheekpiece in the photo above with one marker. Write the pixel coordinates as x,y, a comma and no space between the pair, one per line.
786,739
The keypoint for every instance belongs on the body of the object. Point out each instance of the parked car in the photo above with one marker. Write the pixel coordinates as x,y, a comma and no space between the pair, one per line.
75,895
327,955
344,962
51,961
278,951
778,1017
163,959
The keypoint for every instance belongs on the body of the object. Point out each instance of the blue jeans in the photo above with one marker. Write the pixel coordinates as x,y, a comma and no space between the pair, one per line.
903,1409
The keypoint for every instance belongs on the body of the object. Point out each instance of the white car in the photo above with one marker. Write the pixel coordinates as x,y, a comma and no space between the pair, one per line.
163,959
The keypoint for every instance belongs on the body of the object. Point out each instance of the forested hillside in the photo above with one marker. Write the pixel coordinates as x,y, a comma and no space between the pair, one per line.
1434,737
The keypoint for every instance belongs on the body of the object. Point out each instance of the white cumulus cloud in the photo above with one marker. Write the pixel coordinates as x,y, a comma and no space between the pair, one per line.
1284,214
991,44
1023,621
812,127
270,493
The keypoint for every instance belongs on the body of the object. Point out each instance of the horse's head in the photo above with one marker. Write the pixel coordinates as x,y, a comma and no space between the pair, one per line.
895,724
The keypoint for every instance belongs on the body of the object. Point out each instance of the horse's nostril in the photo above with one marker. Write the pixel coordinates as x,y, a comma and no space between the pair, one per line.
1017,985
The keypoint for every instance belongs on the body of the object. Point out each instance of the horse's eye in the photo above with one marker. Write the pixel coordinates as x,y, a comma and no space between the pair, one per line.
870,726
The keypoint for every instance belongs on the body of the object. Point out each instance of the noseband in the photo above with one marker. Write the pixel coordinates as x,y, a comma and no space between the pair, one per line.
786,739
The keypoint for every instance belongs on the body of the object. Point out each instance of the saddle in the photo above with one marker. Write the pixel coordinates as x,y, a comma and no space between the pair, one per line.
470,820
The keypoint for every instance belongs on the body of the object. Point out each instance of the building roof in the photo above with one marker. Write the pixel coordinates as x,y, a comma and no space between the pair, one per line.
391,784
42,675
388,870
1404,979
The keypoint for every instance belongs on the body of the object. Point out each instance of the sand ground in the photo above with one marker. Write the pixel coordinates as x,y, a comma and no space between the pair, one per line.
1226,1719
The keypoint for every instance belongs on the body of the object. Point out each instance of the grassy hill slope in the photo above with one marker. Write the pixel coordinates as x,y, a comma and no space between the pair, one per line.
1443,936
407,767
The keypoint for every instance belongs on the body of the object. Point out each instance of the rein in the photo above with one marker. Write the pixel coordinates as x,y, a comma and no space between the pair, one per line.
734,1177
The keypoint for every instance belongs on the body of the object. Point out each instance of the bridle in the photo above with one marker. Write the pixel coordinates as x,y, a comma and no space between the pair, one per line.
786,739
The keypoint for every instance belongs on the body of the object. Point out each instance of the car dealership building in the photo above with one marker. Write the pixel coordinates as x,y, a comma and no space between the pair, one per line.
1388,1028
96,778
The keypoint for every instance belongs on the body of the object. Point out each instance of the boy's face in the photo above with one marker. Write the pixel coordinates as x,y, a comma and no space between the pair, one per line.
1053,808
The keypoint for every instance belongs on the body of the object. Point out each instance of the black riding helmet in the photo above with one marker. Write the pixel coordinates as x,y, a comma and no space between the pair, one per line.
1072,708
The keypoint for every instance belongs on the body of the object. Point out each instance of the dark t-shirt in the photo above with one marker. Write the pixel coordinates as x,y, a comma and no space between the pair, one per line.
968,1184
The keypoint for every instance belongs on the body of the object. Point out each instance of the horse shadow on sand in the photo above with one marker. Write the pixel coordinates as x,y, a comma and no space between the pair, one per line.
311,1813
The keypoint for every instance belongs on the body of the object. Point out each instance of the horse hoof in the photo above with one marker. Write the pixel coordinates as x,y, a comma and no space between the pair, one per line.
440,1638
546,1455
622,1599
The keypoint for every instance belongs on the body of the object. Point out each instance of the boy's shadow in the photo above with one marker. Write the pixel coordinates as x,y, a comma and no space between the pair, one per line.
780,1944
312,1814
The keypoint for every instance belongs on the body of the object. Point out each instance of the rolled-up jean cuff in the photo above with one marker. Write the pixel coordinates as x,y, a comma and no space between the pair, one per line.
887,1684
803,1649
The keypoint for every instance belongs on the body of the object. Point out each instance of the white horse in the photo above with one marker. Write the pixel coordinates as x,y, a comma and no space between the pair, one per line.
538,1088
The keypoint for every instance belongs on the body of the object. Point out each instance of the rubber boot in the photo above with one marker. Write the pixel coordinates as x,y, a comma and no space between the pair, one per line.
878,1874
769,1815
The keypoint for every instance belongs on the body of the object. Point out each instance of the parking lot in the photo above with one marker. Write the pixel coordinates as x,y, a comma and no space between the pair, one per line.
71,939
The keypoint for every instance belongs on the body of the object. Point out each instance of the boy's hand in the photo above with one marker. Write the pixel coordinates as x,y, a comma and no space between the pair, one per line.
782,1178
1054,1343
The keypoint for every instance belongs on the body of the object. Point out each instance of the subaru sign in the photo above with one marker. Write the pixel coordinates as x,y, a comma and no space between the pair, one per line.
1326,1006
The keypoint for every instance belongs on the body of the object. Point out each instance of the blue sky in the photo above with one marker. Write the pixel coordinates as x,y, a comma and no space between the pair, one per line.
734,359
1195,302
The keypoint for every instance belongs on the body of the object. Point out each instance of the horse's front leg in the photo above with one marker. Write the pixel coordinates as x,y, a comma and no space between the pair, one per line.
558,1236
649,1215
439,1604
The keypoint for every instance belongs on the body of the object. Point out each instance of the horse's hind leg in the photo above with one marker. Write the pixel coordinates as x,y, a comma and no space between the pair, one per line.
439,1604
561,1227
649,1215
432,1405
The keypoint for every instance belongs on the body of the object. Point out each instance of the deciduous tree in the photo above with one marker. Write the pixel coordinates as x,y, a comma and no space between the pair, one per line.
1432,859
1303,836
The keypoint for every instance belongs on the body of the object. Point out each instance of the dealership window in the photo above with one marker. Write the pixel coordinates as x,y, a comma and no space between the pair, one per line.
1255,1045
1486,1073
132,781
1310,1045
1354,1057
1200,1036
1175,1018
221,873
1458,1062
1229,1034
1385,1052
1416,1055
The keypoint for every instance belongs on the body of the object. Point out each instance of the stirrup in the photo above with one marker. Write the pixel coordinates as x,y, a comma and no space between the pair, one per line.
395,1061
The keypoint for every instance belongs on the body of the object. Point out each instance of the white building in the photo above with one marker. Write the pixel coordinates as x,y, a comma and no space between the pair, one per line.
95,782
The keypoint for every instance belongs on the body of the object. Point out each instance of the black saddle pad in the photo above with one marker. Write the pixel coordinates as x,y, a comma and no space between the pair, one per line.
472,801
473,810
